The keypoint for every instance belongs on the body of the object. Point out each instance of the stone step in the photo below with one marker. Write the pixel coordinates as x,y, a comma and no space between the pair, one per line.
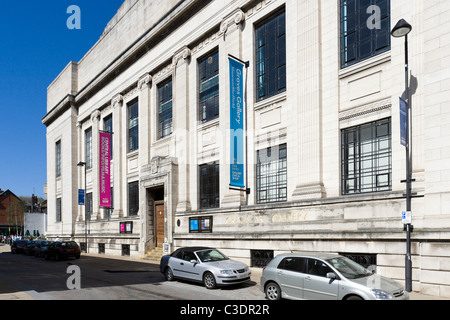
154,255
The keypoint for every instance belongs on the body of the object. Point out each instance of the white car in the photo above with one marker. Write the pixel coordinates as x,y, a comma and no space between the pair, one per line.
205,265
325,277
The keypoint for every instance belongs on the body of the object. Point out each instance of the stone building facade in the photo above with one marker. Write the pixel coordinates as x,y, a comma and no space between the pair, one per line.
324,159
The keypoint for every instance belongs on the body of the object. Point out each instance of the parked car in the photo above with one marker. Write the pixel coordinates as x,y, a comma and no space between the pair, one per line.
41,247
28,250
18,246
325,277
205,265
63,250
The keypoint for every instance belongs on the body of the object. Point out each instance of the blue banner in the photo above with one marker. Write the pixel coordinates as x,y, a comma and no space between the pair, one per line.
403,122
237,123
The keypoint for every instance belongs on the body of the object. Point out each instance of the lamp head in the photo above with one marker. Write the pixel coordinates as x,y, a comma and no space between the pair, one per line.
401,29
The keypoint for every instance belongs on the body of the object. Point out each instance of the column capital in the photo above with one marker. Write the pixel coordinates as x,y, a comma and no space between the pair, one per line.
236,17
117,100
146,79
184,53
95,116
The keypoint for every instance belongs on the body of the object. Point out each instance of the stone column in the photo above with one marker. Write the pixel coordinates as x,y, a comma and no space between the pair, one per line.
309,123
117,103
182,133
95,119
231,27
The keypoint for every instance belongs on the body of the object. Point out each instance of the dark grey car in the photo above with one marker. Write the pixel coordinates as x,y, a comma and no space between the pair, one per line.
325,277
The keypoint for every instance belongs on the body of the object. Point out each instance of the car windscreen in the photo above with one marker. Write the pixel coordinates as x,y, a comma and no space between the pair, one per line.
348,268
211,255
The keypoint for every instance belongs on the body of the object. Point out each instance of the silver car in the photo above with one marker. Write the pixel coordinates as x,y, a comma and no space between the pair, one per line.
325,277
205,265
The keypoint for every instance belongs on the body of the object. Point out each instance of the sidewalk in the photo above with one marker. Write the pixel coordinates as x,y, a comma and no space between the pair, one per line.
256,275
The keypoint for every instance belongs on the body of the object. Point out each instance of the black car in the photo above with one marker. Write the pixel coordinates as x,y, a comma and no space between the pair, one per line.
28,250
62,250
41,247
18,246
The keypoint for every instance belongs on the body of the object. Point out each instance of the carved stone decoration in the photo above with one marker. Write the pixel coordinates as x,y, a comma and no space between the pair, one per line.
183,53
237,17
117,100
95,115
144,80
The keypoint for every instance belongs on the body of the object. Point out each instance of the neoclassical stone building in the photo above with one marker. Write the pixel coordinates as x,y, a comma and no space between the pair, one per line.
323,157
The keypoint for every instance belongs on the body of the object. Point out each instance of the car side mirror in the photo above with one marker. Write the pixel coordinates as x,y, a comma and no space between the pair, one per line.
194,261
331,275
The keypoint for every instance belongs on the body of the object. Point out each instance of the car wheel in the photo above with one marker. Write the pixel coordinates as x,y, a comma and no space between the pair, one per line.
209,281
168,273
273,291
355,298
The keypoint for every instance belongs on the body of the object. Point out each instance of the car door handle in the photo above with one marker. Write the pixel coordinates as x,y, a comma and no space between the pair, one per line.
280,273
182,264
308,278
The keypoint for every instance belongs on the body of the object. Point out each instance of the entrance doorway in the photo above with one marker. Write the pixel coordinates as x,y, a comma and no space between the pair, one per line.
159,223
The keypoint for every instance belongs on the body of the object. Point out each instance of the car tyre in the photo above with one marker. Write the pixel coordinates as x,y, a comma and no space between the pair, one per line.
355,298
273,291
168,273
209,281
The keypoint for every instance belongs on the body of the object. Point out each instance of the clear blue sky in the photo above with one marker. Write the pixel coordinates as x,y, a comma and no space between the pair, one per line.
35,46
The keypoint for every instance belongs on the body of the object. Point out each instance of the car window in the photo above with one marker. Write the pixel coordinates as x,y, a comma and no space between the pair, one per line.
318,268
211,255
296,264
188,256
179,255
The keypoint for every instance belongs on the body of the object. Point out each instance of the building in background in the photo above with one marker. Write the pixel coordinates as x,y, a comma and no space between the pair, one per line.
12,210
323,157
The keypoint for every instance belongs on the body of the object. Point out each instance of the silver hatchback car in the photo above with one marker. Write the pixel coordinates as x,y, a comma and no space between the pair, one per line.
325,277
205,265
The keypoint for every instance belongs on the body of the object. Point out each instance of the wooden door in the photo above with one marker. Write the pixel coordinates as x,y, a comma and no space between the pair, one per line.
160,217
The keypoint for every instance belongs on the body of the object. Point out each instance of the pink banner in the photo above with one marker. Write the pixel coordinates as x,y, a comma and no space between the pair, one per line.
105,170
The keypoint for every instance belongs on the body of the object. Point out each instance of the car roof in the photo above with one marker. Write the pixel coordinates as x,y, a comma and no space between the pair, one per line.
317,255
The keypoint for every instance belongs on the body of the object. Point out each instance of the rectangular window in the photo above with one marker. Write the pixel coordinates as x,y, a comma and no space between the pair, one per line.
367,158
133,126
109,211
209,87
89,207
271,175
108,127
133,198
165,126
365,29
58,210
209,186
88,148
58,159
271,56
200,225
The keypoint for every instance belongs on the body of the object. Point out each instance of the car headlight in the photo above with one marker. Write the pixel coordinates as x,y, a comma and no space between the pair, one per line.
381,294
227,272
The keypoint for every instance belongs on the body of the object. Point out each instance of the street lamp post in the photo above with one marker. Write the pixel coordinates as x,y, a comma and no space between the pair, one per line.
402,29
83,164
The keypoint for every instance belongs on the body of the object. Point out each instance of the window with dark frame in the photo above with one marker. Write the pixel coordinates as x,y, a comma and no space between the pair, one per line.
165,116
133,198
200,225
271,174
58,210
209,186
89,206
271,56
108,127
88,148
367,158
361,37
208,68
133,126
58,159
